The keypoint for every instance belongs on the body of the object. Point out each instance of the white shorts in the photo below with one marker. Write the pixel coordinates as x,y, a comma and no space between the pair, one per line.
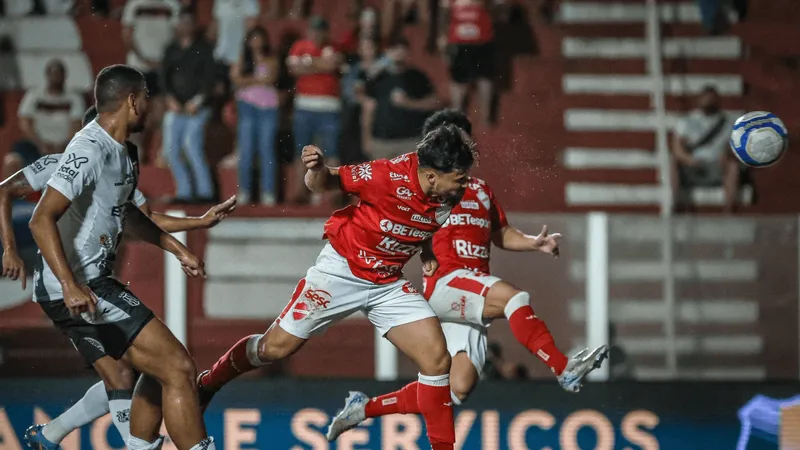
468,338
330,292
459,296
458,299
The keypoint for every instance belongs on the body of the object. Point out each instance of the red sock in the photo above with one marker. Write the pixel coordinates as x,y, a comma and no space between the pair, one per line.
403,401
531,332
436,406
229,366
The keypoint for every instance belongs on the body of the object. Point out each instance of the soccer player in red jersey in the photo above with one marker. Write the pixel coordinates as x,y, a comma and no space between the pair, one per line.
467,298
403,201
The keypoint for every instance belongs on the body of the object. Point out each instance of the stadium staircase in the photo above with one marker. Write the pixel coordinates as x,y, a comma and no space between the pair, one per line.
610,164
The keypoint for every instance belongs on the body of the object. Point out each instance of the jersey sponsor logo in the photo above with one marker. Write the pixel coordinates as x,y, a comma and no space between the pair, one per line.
399,159
76,161
442,213
468,219
128,298
399,229
363,172
409,288
421,219
377,264
393,247
404,208
404,193
41,164
311,301
67,173
466,249
470,204
394,176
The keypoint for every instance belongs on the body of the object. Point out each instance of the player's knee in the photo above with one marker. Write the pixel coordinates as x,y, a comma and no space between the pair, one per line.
437,364
181,370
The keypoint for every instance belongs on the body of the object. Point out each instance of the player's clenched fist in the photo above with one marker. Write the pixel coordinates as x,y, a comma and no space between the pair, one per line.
312,158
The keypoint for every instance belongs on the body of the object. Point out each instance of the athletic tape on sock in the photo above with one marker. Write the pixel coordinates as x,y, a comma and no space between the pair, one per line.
454,397
119,394
521,299
252,350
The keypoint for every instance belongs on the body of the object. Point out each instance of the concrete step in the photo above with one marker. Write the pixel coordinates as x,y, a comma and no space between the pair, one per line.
577,158
649,270
612,84
646,311
720,47
609,194
618,120
618,12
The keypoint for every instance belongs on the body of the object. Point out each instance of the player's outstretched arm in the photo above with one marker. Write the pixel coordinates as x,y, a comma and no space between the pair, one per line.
319,177
510,238
172,224
145,230
16,186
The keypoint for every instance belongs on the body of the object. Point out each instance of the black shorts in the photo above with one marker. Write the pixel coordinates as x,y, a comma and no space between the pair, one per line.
471,62
120,318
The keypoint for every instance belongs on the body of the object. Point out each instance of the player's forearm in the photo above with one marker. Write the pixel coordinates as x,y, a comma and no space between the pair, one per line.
144,229
172,224
512,239
319,181
47,237
6,226
426,253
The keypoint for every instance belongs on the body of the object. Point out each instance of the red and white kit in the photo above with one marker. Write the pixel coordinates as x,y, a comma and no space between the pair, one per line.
360,269
457,291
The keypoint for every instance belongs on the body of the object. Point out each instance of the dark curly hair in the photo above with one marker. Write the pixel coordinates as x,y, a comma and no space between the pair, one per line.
447,149
447,117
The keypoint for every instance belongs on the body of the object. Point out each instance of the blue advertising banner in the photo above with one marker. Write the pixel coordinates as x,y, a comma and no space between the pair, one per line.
293,414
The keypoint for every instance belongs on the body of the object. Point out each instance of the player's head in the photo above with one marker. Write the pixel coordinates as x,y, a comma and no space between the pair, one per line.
89,115
318,30
56,74
121,90
446,155
708,101
447,117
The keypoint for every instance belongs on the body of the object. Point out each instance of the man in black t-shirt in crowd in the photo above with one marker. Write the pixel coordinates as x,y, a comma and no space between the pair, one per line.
399,99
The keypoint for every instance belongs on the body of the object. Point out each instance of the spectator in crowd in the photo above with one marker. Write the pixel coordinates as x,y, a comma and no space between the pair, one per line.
399,99
255,76
353,95
315,62
395,13
701,155
233,19
468,41
48,116
148,26
188,79
297,8
367,27
715,13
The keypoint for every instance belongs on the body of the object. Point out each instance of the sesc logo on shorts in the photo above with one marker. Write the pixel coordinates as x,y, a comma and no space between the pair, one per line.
312,300
409,288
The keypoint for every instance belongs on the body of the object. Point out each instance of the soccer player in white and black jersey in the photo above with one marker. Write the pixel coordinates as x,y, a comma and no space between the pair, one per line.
77,226
105,396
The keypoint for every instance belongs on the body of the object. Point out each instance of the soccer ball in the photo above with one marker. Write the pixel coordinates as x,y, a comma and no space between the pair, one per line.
759,139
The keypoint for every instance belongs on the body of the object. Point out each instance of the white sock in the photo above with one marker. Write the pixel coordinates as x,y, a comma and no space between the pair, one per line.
94,404
134,443
119,403
205,444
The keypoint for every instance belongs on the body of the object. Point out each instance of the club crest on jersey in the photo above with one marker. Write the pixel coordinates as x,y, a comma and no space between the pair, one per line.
470,204
404,193
484,199
442,213
363,172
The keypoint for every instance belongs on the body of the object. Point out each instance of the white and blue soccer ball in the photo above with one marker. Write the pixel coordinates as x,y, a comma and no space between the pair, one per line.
759,139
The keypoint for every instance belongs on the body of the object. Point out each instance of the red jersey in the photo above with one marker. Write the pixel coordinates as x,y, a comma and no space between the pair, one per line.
393,217
470,23
465,239
318,84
